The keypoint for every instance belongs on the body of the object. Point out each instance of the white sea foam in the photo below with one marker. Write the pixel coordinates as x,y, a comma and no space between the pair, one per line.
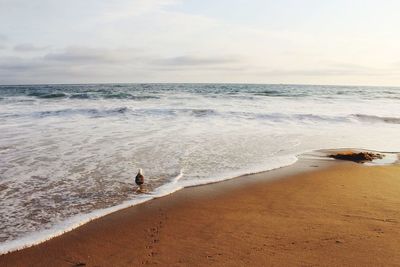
68,154
387,159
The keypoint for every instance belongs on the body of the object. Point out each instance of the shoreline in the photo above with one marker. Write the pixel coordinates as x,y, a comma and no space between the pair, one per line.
305,166
79,220
76,221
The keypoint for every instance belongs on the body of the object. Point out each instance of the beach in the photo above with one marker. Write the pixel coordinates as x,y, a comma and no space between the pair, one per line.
69,153
313,213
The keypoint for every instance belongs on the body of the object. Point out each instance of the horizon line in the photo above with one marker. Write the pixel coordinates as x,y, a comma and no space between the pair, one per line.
219,83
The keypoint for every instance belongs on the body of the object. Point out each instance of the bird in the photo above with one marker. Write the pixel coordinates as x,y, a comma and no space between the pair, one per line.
139,179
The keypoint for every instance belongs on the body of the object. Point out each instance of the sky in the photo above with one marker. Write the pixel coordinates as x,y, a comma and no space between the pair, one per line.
210,41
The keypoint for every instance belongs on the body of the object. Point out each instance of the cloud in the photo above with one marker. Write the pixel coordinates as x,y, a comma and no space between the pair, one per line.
3,40
129,40
77,55
197,61
83,64
327,70
68,58
78,64
27,47
11,65
84,55
117,10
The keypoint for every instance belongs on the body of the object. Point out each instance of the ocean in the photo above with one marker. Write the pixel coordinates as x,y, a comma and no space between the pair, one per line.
69,153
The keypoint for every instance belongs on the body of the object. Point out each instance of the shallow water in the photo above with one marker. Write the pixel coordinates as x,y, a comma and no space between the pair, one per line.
387,159
68,153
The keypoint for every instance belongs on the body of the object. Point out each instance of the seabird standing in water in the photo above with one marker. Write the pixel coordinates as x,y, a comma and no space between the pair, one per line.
139,180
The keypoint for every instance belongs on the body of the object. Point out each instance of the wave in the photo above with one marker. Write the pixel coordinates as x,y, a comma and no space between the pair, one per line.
96,112
144,97
77,94
121,96
281,93
160,112
129,96
373,118
274,117
199,112
118,96
286,117
155,91
304,117
87,112
80,96
47,95
95,95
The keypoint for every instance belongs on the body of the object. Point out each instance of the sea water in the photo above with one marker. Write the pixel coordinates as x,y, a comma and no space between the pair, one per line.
69,153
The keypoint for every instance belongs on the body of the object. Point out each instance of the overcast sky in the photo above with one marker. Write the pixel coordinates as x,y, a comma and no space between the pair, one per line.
246,41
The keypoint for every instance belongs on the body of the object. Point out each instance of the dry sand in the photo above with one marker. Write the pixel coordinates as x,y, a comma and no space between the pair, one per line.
319,213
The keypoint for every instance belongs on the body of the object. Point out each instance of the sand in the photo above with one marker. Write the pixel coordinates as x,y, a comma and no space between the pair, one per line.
314,213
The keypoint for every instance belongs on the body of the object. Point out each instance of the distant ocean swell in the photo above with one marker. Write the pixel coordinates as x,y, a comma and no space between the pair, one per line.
68,153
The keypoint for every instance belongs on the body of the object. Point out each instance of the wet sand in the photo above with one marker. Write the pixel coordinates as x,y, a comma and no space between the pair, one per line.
313,213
